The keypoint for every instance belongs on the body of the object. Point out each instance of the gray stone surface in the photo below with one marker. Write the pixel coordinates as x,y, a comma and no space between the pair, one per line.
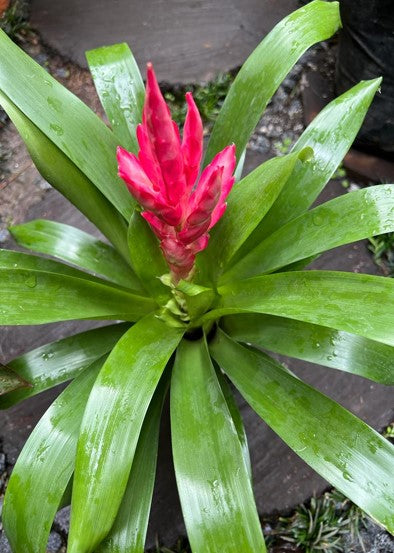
187,40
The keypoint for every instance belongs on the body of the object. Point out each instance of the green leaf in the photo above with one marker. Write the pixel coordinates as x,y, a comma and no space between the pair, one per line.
355,303
59,361
44,468
314,343
339,446
10,259
10,381
298,265
343,220
121,90
265,69
128,532
147,258
248,202
213,483
65,120
237,419
65,176
330,135
197,299
75,246
36,297
111,426
240,166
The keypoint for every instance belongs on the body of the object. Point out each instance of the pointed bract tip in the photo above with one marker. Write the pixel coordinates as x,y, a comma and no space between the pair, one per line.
120,153
150,73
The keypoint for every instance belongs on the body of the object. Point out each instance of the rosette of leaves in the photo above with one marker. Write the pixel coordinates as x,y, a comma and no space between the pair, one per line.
96,445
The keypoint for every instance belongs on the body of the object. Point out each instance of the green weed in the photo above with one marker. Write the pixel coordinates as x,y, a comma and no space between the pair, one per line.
322,526
14,20
208,97
389,432
382,248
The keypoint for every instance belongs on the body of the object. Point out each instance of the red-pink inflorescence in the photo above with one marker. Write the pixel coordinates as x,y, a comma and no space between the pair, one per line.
179,206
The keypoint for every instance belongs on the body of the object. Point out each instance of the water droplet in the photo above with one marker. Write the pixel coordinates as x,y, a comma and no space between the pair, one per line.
318,219
55,103
347,476
31,281
56,128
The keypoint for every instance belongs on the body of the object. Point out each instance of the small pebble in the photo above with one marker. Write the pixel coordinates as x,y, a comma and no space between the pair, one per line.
62,520
43,185
4,235
4,545
54,543
61,72
41,58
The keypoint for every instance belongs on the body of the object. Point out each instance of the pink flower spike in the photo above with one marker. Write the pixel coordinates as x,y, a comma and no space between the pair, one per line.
179,207
192,142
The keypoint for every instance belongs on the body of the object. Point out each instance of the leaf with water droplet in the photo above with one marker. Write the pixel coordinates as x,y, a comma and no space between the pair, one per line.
31,281
56,128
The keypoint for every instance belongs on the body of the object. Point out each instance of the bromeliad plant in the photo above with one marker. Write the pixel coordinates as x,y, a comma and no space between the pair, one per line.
199,288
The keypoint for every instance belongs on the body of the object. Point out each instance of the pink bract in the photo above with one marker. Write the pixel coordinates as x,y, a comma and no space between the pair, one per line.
163,178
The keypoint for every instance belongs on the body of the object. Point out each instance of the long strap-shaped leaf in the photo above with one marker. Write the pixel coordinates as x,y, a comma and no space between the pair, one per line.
59,361
265,69
121,90
315,343
147,258
111,426
214,486
348,453
10,259
249,201
37,297
340,221
330,135
75,246
44,468
65,176
128,532
237,419
65,120
344,301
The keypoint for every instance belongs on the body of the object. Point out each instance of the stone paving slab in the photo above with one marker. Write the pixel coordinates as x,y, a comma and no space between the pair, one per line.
188,41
